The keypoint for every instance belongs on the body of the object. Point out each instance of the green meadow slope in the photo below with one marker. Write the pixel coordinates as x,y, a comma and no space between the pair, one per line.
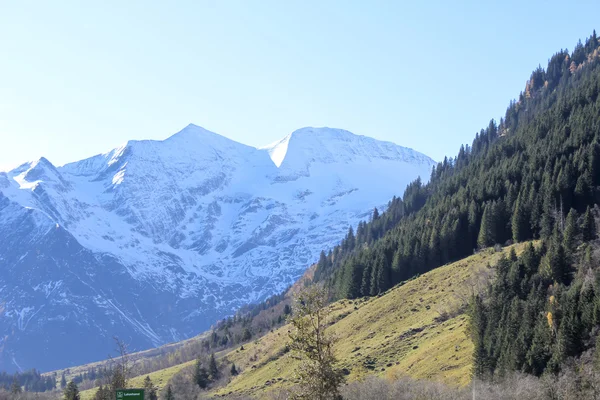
418,329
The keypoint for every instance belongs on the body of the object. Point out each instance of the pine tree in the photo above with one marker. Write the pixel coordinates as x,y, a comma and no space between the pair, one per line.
519,222
381,278
374,289
15,387
201,377
558,263
570,231
71,391
530,259
486,229
233,370
548,212
501,222
477,332
534,202
396,268
63,381
104,393
540,351
322,260
375,216
365,287
99,395
568,341
435,251
588,228
149,389
350,239
351,286
169,395
587,304
247,335
213,369
473,221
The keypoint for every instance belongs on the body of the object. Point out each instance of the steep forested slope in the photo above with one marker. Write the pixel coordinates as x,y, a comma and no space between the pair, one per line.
519,177
540,312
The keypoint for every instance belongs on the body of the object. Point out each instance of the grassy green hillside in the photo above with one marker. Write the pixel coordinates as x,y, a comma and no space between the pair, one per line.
416,329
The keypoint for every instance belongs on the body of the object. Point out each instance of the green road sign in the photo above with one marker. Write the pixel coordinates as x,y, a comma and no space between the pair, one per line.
132,394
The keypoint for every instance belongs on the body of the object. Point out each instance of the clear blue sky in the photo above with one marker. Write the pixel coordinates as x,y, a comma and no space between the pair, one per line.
79,77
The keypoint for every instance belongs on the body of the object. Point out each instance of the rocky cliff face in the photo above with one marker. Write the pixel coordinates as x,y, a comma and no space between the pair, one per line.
155,240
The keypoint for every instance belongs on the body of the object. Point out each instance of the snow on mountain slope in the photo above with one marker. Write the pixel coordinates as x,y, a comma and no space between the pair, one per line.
155,240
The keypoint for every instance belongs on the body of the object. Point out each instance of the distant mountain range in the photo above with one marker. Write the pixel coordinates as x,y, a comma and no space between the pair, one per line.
155,240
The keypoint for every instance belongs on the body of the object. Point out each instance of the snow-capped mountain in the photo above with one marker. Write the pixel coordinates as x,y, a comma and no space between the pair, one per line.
155,240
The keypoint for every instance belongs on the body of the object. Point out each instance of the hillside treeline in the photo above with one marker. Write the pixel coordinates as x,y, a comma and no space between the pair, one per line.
518,179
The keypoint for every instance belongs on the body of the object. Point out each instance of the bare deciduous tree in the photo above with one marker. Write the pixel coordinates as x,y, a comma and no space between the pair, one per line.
121,368
319,379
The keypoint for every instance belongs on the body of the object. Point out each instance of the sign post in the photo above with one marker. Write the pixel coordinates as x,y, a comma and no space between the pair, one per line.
130,394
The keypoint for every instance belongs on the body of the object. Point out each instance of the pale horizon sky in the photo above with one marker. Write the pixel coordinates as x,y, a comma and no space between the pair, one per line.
80,78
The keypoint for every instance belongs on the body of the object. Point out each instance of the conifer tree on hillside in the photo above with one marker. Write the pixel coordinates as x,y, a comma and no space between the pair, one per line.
246,334
589,226
557,258
103,393
477,333
213,369
149,389
15,387
518,179
486,231
169,394
520,222
71,392
201,377
375,214
571,231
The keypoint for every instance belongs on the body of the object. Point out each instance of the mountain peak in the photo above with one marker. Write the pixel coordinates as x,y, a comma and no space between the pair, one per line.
322,131
279,149
192,131
307,145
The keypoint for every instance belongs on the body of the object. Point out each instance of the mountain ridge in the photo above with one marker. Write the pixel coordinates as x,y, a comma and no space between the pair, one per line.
193,131
202,223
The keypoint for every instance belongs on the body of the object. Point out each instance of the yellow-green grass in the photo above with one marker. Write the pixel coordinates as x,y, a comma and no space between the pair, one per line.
415,329
159,378
88,394
72,372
